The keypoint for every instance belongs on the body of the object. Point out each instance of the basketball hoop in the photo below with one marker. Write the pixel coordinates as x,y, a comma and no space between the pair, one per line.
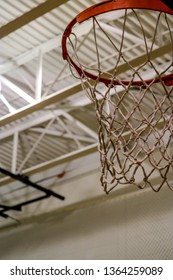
129,78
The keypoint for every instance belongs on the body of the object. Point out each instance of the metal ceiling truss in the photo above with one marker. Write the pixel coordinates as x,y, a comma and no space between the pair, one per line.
29,16
54,124
40,97
37,125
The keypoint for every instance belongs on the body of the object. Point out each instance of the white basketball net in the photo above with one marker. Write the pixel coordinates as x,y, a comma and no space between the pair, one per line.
135,123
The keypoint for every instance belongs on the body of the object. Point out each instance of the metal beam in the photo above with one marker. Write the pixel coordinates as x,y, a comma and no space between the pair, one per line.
112,30
45,47
54,162
29,16
34,146
61,133
159,52
39,77
62,159
56,97
15,150
59,96
17,90
81,125
41,118
10,108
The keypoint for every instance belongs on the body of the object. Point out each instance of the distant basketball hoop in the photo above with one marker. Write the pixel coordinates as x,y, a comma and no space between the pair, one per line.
129,78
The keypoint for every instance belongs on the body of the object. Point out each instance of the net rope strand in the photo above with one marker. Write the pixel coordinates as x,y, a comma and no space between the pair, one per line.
135,123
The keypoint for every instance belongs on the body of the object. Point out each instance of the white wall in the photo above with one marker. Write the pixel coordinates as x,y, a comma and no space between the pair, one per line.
135,226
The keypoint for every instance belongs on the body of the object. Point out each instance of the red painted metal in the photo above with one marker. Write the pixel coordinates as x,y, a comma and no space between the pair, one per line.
111,5
107,6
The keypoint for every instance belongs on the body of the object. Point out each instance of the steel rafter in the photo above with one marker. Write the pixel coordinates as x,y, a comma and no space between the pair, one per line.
29,16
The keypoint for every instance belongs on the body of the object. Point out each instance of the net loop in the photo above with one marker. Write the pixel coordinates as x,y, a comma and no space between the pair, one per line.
130,82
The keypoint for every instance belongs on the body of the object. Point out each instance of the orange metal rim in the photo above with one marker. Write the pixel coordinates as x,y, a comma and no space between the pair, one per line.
107,6
111,5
